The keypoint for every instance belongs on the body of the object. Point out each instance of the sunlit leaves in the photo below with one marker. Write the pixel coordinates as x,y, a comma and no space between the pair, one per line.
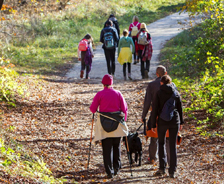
9,85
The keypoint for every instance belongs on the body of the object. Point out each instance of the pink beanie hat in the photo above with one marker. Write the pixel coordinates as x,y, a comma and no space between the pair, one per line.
107,80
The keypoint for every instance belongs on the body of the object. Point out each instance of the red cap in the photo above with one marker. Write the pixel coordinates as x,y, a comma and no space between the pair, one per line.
107,80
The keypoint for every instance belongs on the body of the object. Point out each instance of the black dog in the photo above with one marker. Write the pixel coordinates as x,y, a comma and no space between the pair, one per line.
135,146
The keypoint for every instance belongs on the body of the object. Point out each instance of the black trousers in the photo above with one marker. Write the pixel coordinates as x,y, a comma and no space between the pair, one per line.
144,64
135,39
110,58
111,154
173,130
124,68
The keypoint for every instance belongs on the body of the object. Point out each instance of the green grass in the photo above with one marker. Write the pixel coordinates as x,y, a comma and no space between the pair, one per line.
178,54
54,38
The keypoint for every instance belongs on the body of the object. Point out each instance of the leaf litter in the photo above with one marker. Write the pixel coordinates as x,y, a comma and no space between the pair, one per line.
54,122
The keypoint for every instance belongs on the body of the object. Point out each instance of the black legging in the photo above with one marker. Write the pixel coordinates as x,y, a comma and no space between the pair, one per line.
110,58
173,130
145,65
124,68
135,39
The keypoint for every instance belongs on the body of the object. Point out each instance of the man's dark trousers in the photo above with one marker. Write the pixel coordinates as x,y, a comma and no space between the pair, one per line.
111,154
110,58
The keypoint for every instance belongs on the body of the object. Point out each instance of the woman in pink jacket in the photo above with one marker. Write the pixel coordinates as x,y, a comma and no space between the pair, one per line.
110,100
133,31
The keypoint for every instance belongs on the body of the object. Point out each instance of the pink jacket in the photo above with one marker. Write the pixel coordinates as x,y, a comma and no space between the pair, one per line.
109,100
138,24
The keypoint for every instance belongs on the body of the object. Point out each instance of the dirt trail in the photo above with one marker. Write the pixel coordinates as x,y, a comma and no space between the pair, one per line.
54,122
161,31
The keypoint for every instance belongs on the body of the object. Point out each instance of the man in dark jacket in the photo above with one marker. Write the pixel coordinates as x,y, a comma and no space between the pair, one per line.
151,90
115,24
109,38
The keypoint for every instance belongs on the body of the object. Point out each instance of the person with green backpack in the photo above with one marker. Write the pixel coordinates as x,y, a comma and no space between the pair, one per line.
125,53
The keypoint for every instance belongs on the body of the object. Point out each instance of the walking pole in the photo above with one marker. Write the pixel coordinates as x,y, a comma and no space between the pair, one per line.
129,156
90,142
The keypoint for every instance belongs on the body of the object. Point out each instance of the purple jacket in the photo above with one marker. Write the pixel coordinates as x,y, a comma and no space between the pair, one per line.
109,100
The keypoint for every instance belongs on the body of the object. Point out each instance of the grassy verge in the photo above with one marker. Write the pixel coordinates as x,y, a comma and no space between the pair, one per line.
52,38
21,166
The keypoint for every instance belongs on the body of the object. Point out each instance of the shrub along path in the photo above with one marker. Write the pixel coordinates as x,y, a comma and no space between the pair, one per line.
54,122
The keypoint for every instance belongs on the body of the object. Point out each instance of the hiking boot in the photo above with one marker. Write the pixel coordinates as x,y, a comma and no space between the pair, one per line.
135,62
159,173
129,76
81,74
146,74
171,175
116,172
109,176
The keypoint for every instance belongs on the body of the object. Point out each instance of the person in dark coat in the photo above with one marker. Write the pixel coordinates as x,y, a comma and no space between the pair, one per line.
115,23
174,125
150,94
109,52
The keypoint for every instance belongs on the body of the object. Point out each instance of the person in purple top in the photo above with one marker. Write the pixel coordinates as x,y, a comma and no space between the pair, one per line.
110,100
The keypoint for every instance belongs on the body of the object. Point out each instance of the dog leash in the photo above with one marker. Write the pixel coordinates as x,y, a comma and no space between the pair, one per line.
139,127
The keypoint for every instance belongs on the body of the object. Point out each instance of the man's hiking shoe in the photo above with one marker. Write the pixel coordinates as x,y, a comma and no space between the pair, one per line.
109,176
146,74
116,172
171,175
135,62
81,74
159,173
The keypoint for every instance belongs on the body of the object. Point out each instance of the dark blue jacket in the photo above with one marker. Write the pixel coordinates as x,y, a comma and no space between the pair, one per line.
109,29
